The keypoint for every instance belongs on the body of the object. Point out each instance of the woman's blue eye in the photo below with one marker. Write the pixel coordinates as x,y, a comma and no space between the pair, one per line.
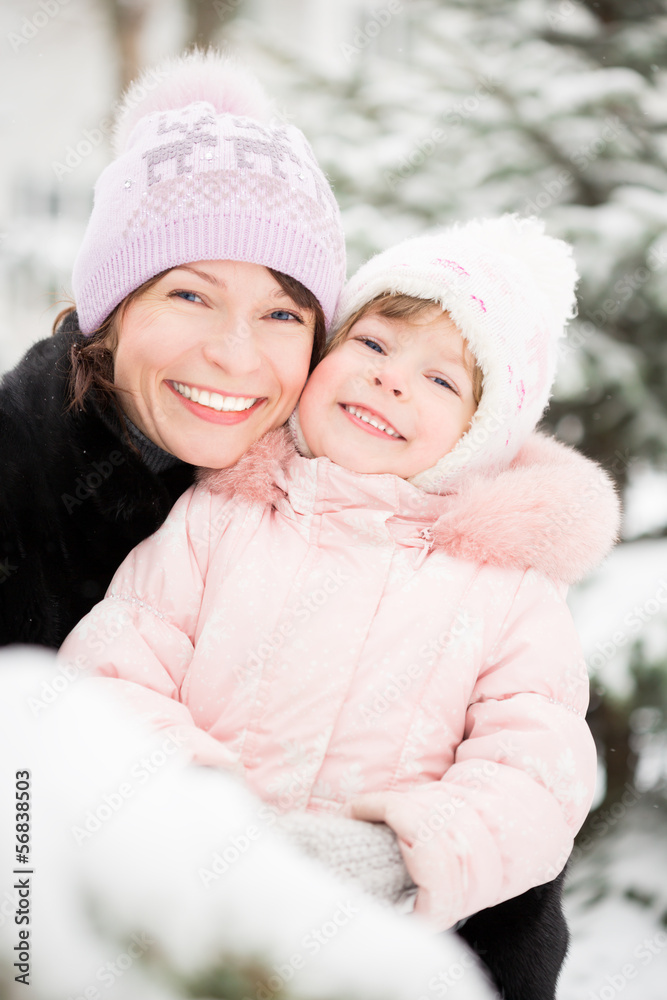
283,314
188,296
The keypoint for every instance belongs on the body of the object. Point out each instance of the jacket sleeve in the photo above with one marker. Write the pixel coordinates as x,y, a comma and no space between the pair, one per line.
139,640
503,817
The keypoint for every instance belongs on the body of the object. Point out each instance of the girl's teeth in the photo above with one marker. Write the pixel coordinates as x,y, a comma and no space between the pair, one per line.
369,420
215,400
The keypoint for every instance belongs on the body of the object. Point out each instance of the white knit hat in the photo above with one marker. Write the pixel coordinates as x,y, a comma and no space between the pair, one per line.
510,290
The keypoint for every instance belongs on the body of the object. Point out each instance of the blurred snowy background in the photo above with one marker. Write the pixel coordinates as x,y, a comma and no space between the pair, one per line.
421,112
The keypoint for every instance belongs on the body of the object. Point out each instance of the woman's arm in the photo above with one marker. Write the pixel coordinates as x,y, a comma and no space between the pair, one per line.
503,817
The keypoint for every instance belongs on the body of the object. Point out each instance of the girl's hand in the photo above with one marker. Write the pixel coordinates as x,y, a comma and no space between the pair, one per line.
371,806
381,807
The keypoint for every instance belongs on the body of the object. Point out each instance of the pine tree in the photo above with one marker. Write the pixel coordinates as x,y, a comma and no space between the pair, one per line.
529,107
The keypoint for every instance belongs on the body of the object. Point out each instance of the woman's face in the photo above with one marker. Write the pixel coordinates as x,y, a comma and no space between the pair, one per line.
212,356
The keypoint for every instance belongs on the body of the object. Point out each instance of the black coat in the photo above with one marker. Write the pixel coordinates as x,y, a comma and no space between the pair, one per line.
74,498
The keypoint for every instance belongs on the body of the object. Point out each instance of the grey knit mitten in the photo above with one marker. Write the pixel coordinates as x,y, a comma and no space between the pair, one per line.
354,850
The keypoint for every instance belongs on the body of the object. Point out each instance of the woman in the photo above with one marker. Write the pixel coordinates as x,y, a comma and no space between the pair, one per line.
212,260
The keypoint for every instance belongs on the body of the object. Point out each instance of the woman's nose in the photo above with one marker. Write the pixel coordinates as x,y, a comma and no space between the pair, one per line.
233,346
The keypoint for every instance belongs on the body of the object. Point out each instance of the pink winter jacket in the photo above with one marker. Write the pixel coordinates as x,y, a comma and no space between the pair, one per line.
326,633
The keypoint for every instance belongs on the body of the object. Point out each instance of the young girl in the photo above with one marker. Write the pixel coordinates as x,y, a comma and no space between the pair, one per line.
374,625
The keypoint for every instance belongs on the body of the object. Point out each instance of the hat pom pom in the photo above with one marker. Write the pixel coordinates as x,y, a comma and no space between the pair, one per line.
548,260
197,76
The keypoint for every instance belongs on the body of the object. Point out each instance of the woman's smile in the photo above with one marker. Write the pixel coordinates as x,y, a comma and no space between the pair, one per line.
208,404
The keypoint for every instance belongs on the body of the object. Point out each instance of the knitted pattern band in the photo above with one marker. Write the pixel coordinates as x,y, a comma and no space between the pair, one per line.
203,172
510,290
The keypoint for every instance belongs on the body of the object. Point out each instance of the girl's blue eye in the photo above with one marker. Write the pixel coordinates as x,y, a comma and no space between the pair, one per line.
283,314
445,383
188,296
372,344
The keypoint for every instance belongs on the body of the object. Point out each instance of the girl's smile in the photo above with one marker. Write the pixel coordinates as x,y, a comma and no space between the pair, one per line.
371,421
393,397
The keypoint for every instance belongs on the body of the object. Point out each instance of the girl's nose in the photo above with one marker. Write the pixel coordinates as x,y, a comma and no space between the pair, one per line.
389,383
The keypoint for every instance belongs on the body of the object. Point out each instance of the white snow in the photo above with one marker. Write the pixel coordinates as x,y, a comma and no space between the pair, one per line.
616,903
136,853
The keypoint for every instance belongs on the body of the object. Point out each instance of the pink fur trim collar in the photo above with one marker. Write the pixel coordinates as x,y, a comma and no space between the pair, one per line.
552,509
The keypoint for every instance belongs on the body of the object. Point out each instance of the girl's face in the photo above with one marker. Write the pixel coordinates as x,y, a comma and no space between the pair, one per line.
393,397
211,357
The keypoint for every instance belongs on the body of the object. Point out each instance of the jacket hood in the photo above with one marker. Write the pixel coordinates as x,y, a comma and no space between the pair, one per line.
551,509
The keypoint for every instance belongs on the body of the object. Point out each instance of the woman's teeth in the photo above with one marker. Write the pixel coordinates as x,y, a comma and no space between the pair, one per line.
213,399
373,421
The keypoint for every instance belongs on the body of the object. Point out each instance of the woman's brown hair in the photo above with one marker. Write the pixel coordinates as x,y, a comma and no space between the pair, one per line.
92,361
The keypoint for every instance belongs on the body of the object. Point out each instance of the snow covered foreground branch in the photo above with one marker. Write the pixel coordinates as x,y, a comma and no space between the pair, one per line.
147,876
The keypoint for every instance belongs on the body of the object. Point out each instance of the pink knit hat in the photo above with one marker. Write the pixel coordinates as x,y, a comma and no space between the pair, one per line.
510,289
203,172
